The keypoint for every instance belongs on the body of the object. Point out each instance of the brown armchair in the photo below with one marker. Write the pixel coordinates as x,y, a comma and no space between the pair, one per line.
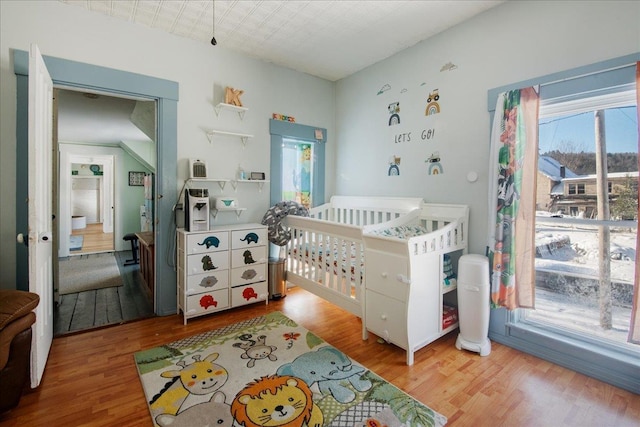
16,318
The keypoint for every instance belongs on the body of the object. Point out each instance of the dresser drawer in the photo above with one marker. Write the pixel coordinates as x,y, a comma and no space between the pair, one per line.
208,302
207,282
249,256
207,242
386,318
247,294
206,262
249,237
386,275
249,274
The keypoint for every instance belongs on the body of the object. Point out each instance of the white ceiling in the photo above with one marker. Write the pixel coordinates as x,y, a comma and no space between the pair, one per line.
99,119
328,39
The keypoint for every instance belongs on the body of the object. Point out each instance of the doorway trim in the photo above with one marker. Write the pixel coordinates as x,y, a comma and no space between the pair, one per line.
65,197
86,76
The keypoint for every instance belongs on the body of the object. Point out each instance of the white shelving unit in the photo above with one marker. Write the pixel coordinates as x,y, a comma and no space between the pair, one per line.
259,182
221,268
238,211
222,106
221,181
243,136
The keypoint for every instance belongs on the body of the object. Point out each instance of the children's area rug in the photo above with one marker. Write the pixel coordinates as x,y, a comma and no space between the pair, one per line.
268,371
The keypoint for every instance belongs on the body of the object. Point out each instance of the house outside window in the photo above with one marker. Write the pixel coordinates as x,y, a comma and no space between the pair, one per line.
585,262
613,82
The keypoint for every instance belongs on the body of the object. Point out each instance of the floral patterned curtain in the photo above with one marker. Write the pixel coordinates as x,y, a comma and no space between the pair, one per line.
512,192
634,329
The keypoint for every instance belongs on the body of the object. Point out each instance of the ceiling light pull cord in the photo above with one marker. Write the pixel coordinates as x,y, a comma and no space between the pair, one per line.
213,23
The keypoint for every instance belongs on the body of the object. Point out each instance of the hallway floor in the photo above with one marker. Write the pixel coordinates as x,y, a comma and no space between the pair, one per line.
109,306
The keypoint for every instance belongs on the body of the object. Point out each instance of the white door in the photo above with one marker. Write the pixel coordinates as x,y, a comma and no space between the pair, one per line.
107,195
40,209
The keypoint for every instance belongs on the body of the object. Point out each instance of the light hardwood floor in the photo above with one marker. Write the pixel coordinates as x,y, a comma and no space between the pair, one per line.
91,378
94,239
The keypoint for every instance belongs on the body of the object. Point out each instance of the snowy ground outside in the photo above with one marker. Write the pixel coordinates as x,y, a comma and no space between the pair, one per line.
567,268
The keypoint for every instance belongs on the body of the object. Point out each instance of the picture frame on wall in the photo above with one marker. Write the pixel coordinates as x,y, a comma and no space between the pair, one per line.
136,179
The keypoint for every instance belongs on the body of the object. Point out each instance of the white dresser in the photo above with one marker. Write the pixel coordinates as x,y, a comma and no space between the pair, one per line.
221,268
408,306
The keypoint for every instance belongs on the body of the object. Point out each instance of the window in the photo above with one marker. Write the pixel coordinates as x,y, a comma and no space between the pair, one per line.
612,83
297,171
576,189
297,163
585,261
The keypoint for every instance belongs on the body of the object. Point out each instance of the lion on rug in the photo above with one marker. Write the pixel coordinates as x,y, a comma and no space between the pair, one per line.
275,401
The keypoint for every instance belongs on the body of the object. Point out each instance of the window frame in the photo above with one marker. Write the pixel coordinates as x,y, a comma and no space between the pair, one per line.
620,367
281,130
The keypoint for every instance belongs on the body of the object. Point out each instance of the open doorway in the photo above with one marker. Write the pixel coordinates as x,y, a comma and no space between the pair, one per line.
103,141
91,205
164,96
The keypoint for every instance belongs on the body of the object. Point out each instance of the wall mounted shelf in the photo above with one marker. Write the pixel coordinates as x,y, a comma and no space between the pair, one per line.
222,106
221,182
243,136
238,211
259,182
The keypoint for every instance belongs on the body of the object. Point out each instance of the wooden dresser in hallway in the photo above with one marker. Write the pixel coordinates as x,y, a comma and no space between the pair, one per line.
146,244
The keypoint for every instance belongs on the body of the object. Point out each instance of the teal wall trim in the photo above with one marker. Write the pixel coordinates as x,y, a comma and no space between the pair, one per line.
75,74
617,366
280,129
563,76
78,74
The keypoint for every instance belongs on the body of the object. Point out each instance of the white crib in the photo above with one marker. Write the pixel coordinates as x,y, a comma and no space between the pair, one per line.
410,297
329,251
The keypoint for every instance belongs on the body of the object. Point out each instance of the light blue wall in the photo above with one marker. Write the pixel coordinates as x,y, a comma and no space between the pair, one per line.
514,42
503,45
200,70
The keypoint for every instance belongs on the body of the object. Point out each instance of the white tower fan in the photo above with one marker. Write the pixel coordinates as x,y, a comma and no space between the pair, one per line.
473,304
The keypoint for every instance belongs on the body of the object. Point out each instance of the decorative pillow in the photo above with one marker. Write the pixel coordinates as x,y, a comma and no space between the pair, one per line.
277,234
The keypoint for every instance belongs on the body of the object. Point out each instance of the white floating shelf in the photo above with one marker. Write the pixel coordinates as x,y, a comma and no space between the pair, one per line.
221,182
260,182
242,136
238,211
222,106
